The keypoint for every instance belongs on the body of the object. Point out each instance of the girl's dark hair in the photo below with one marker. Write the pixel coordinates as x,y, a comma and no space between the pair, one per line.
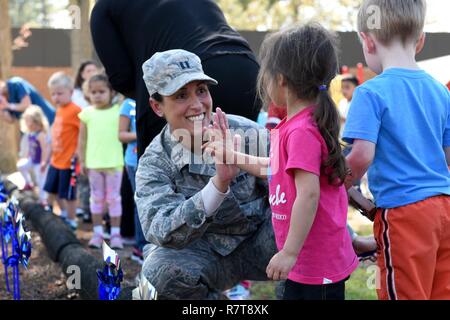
100,78
78,78
306,56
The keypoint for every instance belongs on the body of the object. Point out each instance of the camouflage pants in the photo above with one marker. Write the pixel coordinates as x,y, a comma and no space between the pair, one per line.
84,193
198,272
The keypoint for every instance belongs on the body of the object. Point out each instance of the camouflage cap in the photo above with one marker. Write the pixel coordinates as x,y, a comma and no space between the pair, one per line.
166,72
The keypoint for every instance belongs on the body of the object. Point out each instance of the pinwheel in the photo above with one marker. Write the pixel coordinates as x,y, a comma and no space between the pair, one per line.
111,276
145,290
12,231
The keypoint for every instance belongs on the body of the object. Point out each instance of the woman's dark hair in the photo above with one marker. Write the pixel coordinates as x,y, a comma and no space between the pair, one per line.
157,97
306,56
78,78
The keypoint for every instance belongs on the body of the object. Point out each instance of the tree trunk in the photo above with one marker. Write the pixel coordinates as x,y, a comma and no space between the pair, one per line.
5,40
8,132
81,40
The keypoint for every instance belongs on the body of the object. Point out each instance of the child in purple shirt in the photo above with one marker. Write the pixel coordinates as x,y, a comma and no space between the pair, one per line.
306,165
35,126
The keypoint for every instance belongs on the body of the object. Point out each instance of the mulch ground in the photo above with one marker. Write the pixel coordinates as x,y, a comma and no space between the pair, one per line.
45,280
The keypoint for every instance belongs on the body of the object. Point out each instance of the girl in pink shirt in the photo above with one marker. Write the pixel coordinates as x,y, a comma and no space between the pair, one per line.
306,166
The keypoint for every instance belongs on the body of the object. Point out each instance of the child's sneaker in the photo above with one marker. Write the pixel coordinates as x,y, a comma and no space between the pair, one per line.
79,212
47,207
64,216
127,241
28,187
116,242
87,217
73,224
238,292
96,241
106,235
137,256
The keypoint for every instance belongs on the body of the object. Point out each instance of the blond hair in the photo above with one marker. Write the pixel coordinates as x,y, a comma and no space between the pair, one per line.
390,19
36,115
60,79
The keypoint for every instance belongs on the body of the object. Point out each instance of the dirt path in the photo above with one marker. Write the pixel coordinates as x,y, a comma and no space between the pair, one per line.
44,279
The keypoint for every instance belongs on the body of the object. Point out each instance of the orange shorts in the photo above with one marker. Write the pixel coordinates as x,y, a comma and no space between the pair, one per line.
414,250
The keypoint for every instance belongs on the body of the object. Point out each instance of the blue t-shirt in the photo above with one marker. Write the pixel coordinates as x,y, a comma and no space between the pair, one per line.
406,113
128,109
18,88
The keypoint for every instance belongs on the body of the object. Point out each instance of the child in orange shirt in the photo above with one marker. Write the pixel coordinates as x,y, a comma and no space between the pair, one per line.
64,145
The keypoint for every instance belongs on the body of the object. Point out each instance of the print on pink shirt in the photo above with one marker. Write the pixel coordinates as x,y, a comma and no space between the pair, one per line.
277,198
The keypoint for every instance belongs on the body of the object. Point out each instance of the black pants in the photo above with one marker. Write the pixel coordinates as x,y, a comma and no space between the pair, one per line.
297,291
235,94
127,220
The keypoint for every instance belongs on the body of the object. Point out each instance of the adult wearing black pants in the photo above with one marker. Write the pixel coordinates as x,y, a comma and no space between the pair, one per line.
127,33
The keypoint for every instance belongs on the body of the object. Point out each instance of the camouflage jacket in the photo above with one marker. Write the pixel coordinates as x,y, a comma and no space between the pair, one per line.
169,201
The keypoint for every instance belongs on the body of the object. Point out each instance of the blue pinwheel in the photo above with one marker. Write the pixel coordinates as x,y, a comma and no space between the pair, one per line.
12,232
111,276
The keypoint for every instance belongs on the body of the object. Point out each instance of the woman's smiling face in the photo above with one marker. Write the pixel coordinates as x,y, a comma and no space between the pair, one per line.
187,108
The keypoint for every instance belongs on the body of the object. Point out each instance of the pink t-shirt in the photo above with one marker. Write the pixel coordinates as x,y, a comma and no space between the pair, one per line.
327,255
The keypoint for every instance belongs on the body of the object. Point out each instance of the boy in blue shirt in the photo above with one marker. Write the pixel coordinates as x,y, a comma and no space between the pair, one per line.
399,124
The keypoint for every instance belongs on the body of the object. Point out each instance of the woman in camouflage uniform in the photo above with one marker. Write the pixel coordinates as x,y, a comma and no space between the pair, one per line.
209,226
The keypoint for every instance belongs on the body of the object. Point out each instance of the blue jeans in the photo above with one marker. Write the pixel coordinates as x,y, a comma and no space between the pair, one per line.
138,234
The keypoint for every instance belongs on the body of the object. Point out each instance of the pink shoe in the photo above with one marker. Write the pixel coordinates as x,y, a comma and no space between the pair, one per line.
116,241
28,187
96,241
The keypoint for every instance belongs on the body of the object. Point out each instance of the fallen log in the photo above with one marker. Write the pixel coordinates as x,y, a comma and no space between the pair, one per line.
63,247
